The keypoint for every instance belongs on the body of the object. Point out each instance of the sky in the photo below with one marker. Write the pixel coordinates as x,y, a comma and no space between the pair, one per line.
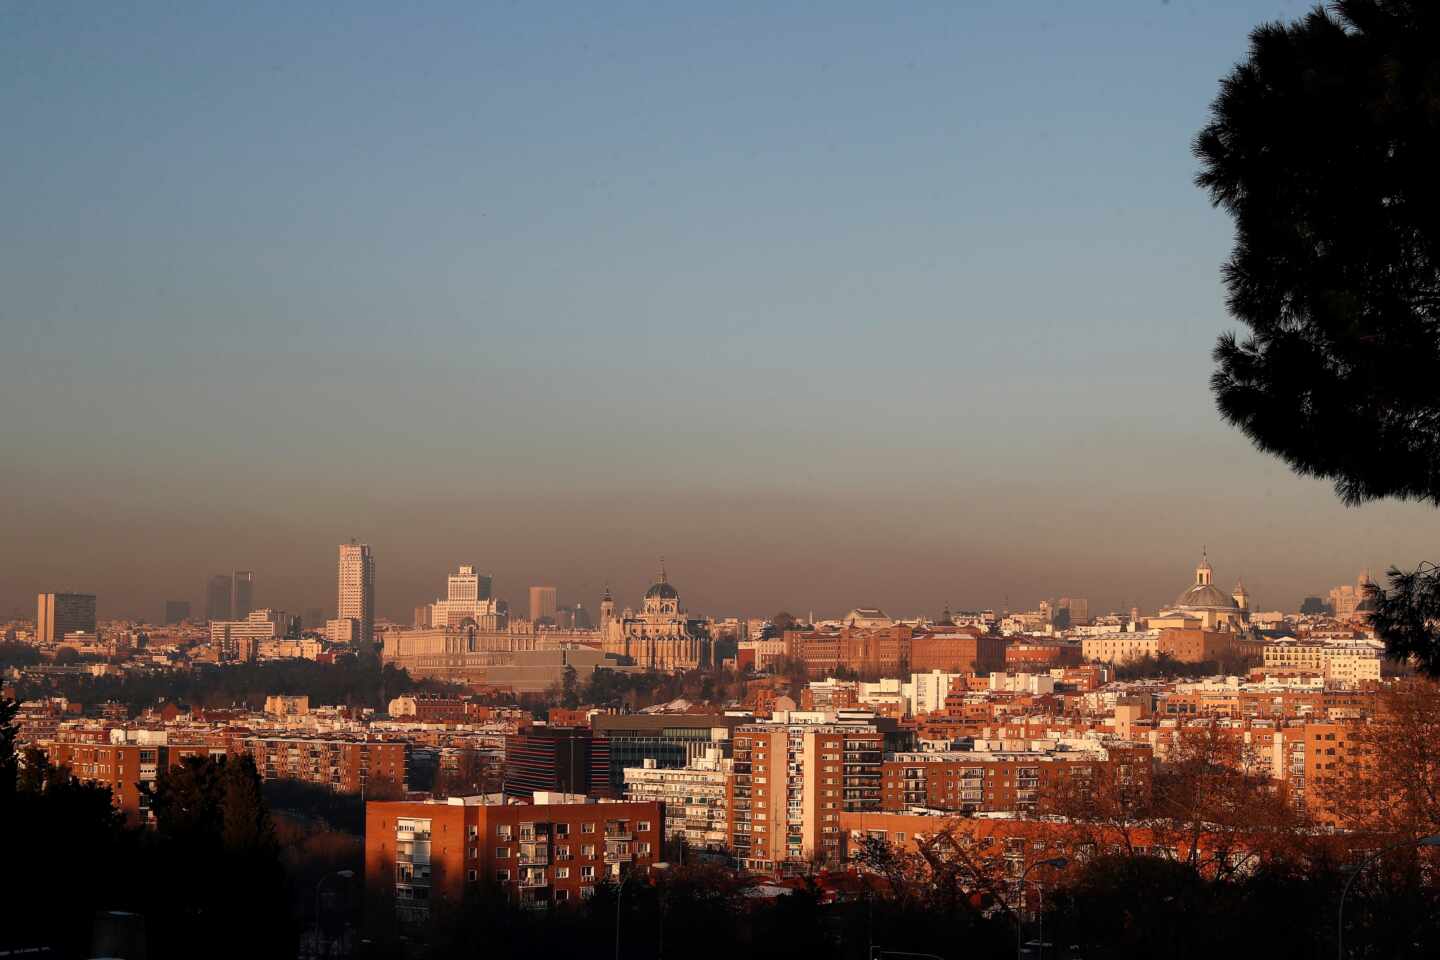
827,304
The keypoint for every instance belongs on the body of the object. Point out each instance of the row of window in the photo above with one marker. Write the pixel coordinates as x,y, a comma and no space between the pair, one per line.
587,851
505,831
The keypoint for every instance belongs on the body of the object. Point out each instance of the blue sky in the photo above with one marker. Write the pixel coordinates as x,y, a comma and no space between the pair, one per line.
828,303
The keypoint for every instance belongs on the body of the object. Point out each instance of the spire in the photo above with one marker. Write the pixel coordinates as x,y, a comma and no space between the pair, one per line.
662,571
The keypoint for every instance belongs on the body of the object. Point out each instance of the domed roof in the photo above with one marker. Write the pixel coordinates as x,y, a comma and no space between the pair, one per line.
661,589
1205,595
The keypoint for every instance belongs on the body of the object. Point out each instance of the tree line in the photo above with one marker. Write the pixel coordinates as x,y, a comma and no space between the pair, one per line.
350,681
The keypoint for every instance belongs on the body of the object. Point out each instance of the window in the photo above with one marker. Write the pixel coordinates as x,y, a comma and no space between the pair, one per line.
562,895
503,831
502,853
502,876
587,873
562,873
642,849
587,828
642,826
588,851
472,875
562,829
474,853
472,832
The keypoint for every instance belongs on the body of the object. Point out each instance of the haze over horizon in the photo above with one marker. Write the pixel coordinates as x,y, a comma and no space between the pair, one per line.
892,308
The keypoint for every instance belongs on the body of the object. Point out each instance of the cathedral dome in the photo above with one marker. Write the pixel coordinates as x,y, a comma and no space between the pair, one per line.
1205,595
661,589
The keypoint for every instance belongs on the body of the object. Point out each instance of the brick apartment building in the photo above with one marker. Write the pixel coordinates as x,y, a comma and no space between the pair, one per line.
1042,655
342,765
420,854
957,652
789,785
428,709
1008,776
123,768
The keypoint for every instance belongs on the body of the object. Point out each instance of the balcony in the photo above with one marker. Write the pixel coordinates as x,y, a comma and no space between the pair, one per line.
533,879
618,851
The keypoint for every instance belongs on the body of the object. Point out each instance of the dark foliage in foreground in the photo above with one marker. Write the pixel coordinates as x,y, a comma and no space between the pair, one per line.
1323,146
1131,907
208,881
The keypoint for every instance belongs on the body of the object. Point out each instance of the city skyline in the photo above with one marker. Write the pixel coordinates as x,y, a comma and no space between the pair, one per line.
629,591
925,328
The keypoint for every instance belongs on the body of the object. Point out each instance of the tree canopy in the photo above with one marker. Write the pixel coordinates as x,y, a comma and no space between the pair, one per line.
1323,145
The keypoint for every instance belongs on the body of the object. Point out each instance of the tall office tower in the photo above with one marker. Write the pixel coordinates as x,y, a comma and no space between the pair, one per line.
176,611
467,597
217,597
57,614
243,597
542,604
464,584
357,590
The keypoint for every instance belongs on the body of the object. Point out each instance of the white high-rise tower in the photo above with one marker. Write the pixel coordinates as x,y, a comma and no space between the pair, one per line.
357,590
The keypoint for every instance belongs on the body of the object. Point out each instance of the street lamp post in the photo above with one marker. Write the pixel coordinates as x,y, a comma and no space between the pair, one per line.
619,892
343,875
1430,841
1058,863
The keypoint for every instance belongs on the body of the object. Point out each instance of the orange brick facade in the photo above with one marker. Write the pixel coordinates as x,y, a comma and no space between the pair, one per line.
422,855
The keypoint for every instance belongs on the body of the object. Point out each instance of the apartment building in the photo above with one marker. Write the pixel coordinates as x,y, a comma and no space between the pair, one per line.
959,652
696,797
422,853
1347,664
127,765
672,740
791,782
240,639
343,765
1032,654
1121,647
1013,776
1312,757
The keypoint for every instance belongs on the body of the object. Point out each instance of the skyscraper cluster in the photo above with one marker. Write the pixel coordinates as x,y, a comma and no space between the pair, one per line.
229,596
